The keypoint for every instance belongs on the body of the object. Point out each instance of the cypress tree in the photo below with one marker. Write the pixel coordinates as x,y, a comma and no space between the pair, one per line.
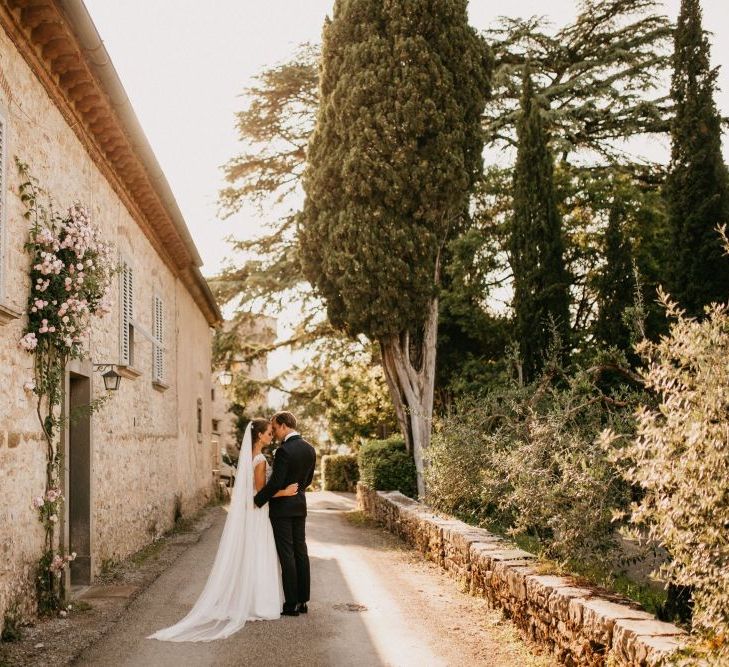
391,165
541,284
697,188
615,284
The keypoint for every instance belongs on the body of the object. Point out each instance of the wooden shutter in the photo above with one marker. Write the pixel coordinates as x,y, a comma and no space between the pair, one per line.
3,216
158,345
126,304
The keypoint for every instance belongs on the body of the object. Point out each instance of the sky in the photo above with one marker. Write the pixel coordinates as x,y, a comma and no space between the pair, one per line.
185,63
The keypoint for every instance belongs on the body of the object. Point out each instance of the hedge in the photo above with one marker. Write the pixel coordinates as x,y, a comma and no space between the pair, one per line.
339,472
385,465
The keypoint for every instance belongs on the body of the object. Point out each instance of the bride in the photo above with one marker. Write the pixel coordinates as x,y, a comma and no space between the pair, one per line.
245,582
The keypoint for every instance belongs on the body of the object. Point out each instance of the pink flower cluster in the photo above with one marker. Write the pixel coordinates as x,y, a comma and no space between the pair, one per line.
29,342
51,496
75,269
59,563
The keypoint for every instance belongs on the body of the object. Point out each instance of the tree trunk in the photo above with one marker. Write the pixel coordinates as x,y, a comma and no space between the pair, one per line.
411,380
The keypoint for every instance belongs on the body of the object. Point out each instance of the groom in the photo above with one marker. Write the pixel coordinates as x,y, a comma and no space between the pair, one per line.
293,462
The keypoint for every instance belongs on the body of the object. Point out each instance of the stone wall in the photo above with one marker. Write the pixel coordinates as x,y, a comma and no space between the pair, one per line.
145,447
576,624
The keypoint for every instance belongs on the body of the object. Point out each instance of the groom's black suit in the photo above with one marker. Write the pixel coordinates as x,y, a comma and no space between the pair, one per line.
293,462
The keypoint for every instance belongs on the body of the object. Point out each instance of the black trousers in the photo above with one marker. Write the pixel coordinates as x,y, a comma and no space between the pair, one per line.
290,535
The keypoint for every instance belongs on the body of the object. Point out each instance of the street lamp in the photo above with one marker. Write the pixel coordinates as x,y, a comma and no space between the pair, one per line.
225,378
111,377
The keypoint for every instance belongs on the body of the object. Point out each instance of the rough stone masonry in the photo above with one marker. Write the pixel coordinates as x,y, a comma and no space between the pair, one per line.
574,623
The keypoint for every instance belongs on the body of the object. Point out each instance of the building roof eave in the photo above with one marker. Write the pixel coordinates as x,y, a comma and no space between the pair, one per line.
59,41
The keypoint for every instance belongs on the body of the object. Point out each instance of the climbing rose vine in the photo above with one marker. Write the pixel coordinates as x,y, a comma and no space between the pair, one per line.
70,275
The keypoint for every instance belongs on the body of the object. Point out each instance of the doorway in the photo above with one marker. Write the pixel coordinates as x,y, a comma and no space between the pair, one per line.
78,494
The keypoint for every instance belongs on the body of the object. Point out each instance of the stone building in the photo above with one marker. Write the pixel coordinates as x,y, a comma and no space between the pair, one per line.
146,453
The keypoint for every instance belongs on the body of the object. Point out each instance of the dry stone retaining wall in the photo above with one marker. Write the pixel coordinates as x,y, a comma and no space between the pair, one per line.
576,624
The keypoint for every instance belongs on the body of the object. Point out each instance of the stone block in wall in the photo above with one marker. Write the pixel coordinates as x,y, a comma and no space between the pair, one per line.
595,618
364,500
408,526
541,586
439,544
644,641
429,537
400,499
562,597
481,560
457,541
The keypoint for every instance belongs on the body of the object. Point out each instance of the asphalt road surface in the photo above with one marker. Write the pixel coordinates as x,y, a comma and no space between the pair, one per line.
374,602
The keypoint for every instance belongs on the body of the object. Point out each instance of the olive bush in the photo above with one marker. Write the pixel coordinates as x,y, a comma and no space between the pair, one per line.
680,458
528,461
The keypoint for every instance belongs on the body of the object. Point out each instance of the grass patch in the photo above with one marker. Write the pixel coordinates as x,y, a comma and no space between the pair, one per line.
111,570
12,625
80,607
651,598
150,551
646,595
182,525
359,519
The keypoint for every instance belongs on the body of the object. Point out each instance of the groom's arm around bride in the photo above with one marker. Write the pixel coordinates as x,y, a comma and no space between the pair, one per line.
277,481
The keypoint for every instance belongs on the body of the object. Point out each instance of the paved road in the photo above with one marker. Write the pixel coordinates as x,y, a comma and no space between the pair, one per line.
373,603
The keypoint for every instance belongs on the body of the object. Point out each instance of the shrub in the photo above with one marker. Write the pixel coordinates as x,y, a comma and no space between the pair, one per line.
12,624
339,472
386,465
526,461
680,458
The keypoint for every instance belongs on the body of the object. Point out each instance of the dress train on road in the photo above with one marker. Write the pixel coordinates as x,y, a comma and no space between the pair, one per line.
245,581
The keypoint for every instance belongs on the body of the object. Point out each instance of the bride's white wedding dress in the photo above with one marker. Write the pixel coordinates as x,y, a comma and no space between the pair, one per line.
245,581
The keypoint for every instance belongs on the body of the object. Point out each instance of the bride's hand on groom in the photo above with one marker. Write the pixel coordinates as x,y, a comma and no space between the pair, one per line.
291,490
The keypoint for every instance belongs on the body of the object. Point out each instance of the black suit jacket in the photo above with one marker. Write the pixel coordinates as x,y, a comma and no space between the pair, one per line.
293,462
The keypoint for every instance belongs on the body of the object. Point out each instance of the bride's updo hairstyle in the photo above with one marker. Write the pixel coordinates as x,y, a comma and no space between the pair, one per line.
258,426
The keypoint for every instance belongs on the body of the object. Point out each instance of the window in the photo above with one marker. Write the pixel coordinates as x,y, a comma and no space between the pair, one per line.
126,305
216,425
158,338
212,394
199,419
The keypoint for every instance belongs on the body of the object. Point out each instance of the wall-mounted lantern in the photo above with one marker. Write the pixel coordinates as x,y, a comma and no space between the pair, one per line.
225,378
111,378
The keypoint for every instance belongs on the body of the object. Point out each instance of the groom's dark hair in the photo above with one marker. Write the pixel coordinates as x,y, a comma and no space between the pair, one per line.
285,419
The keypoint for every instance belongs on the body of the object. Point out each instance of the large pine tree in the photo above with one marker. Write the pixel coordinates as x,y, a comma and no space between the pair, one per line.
541,283
697,188
396,151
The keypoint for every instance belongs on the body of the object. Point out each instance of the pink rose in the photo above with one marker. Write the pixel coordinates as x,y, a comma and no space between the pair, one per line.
29,342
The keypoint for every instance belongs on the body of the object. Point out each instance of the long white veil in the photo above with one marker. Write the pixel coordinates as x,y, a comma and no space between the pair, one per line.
225,602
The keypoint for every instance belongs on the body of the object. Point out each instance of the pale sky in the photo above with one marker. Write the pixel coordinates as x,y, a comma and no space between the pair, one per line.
184,64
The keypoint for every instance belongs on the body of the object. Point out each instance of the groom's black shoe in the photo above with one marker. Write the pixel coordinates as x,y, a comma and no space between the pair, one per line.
289,612
302,608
